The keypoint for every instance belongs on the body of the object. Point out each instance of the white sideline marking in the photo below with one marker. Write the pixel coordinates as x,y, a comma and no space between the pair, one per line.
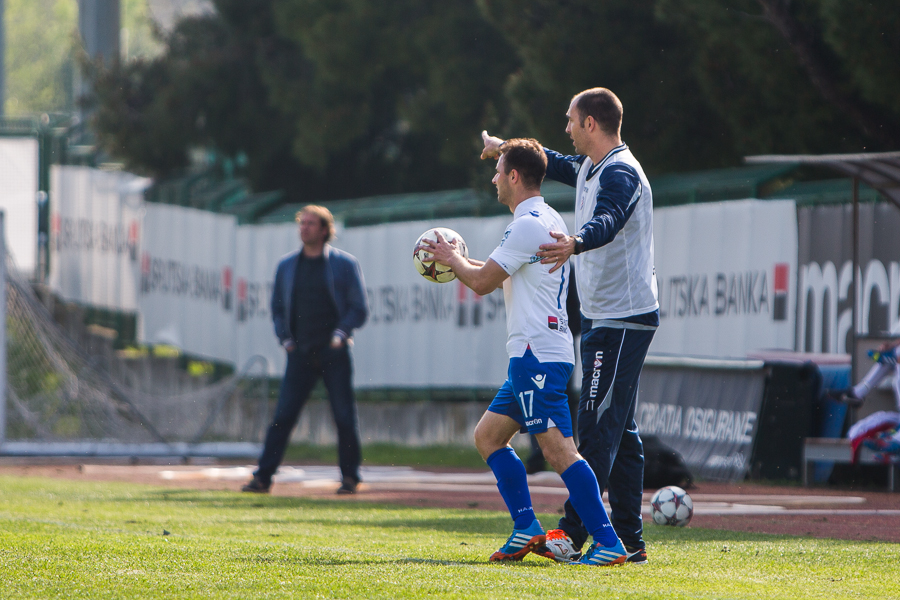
772,499
212,473
738,509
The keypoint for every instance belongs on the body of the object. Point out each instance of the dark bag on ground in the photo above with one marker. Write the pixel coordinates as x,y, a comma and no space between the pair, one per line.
663,466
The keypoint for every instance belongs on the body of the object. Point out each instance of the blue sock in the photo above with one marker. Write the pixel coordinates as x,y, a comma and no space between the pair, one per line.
512,481
585,496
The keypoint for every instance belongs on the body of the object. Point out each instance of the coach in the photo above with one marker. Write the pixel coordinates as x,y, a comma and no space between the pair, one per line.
616,285
319,298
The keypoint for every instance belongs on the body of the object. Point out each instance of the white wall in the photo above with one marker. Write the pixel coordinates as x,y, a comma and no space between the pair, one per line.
187,295
727,276
95,236
18,199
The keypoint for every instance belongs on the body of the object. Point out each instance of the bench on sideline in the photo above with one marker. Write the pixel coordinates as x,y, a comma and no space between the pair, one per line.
838,450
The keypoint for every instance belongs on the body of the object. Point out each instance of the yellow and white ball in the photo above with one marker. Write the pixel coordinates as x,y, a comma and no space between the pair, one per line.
429,269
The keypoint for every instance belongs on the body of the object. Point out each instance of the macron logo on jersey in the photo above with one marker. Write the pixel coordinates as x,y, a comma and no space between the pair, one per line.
539,380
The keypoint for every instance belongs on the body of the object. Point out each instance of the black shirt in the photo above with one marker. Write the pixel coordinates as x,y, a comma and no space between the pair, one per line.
314,315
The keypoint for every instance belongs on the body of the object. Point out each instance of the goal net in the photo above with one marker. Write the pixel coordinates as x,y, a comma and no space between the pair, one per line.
62,401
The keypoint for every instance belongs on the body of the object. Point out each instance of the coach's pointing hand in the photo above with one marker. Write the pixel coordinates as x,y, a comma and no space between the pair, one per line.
491,146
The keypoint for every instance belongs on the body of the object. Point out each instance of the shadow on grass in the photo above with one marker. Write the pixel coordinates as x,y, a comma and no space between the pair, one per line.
675,535
471,523
400,518
219,499
318,561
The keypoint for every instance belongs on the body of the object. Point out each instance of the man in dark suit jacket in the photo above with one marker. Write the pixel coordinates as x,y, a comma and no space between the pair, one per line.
319,298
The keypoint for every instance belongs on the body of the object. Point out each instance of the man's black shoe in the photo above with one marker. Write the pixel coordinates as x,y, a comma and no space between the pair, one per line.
636,556
348,486
257,486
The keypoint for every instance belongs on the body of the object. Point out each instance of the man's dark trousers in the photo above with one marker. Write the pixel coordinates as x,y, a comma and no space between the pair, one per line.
612,357
304,367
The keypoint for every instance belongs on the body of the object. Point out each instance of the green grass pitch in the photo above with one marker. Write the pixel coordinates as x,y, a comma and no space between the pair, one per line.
66,539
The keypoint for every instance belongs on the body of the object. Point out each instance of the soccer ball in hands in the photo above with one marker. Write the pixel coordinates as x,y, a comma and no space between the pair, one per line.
671,505
429,269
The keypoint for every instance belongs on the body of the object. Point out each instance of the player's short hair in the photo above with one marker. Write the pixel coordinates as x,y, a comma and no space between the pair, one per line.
324,214
604,106
525,155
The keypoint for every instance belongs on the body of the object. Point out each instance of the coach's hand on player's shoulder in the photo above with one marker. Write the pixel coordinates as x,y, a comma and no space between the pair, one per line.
557,252
491,146
441,250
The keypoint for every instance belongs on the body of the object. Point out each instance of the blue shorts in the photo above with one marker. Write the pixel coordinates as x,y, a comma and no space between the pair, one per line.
534,395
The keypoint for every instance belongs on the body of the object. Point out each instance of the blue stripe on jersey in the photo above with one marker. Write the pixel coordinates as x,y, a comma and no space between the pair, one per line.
563,169
620,188
562,283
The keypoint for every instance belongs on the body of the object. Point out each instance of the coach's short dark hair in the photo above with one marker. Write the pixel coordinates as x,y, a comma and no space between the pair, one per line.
526,156
603,106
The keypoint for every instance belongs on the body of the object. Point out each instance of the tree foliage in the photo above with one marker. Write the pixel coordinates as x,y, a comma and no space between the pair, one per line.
39,67
342,98
797,75
41,39
327,99
573,45
706,82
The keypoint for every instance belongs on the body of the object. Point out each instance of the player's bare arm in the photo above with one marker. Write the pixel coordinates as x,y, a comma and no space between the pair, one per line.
491,146
557,252
481,277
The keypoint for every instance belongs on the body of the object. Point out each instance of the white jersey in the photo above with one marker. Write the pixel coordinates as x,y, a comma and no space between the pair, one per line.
535,298
618,279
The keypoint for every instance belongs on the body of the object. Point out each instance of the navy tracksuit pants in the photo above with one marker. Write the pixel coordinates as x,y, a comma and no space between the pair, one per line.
612,356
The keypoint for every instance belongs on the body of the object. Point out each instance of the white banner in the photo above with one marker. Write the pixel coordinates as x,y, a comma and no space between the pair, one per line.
424,334
420,333
259,248
201,283
95,225
727,275
187,281
18,200
825,308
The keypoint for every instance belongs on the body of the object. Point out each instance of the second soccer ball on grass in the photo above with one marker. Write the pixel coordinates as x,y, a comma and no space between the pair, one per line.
671,505
428,268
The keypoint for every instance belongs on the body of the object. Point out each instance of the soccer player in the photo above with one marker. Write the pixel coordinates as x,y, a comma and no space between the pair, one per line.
616,285
541,359
886,364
